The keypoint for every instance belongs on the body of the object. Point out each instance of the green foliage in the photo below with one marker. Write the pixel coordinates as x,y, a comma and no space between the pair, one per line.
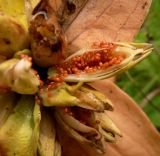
143,80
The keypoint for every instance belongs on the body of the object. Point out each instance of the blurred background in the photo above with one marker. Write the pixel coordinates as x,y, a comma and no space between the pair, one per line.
142,82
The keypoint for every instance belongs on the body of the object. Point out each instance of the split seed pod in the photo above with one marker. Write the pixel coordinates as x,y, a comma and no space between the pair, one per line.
132,53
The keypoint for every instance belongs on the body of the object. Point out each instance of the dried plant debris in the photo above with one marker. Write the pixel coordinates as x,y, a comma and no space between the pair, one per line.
47,40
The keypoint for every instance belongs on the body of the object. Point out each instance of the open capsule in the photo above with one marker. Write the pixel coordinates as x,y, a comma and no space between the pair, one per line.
102,61
84,134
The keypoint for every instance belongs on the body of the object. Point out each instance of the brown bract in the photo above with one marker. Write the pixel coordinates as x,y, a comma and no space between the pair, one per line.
114,20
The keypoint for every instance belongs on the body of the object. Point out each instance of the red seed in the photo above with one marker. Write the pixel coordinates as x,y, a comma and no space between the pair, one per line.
71,113
66,110
49,94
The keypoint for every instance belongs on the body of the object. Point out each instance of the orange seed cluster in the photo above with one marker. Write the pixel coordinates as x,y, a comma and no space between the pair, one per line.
89,61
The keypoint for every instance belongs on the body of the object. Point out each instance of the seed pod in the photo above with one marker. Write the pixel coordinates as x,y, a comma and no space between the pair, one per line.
19,76
74,95
48,44
17,133
77,125
13,27
119,57
95,143
13,36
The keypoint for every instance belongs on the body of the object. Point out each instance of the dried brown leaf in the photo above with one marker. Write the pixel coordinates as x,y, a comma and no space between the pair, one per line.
106,20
